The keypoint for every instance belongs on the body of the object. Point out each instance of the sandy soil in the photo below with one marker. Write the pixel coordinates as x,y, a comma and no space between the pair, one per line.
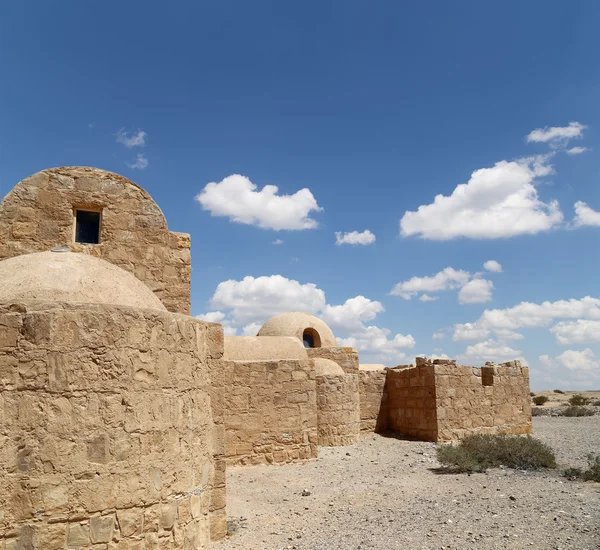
560,399
384,493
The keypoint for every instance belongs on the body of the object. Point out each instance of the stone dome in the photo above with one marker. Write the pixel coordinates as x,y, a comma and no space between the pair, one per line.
304,326
72,277
327,367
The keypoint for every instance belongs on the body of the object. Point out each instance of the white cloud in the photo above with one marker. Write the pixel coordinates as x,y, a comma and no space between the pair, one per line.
447,279
439,335
504,322
469,331
374,343
497,202
427,298
277,241
364,238
557,135
577,150
140,162
476,291
237,198
253,299
219,317
570,370
251,329
585,216
138,139
493,266
576,332
489,350
349,317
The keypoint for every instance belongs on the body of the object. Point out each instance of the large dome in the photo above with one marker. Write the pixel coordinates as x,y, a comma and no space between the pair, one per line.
304,326
72,277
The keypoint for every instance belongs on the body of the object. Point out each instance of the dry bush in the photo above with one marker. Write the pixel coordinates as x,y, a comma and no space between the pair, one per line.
540,399
577,411
591,474
476,453
579,400
558,391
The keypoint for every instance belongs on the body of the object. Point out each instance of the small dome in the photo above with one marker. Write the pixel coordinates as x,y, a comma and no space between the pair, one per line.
309,329
60,276
327,367
252,348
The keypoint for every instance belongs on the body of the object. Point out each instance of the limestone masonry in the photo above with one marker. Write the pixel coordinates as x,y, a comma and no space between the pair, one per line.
119,413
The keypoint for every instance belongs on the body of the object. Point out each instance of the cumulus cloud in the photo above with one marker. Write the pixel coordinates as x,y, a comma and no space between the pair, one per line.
219,317
237,198
585,216
556,135
571,369
375,343
349,316
439,335
137,139
427,298
140,163
277,241
447,279
468,332
577,150
493,266
364,238
257,298
505,322
489,350
581,331
476,291
497,202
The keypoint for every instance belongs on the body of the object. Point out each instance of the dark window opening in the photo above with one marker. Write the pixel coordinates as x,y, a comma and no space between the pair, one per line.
311,339
487,376
87,227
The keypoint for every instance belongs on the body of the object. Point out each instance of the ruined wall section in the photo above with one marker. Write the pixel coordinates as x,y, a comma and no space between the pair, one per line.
106,422
412,401
373,399
347,358
468,403
270,411
338,409
38,215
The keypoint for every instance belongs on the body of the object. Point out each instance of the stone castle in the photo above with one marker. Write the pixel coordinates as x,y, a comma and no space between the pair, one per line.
119,413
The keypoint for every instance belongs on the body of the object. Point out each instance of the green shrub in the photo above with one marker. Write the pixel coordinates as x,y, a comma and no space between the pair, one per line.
558,391
577,411
596,403
536,411
579,400
591,474
540,399
476,453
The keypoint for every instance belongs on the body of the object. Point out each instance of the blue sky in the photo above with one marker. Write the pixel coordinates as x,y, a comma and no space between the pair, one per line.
373,109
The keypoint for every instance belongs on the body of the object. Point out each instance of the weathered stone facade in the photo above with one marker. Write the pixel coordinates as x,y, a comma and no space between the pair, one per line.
441,401
39,214
109,435
347,358
270,411
373,398
338,409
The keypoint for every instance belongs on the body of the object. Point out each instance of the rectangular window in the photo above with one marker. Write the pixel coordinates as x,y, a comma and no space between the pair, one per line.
87,226
487,376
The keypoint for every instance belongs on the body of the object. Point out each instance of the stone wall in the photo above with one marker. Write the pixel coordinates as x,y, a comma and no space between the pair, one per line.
106,429
412,401
373,399
38,215
347,358
338,409
270,411
465,405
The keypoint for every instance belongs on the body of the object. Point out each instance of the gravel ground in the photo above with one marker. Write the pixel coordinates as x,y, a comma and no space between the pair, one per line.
384,493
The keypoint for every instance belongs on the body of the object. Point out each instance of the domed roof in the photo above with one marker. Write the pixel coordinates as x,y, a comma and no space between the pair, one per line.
327,367
295,323
253,348
72,277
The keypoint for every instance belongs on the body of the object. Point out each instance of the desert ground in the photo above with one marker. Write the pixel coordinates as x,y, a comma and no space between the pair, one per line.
561,399
387,493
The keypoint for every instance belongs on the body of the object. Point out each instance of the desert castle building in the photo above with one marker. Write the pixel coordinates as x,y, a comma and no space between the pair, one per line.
119,413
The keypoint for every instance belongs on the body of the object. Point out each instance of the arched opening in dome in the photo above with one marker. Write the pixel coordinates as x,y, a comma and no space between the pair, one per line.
311,338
